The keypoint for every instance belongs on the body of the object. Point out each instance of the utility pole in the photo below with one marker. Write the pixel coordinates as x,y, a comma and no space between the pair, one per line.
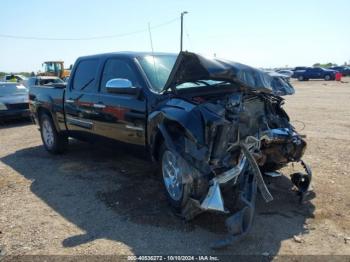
182,25
150,37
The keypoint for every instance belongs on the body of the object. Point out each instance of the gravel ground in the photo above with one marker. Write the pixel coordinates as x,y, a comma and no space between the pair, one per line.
101,200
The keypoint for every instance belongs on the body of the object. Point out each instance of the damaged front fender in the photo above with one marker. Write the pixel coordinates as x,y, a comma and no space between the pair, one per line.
226,142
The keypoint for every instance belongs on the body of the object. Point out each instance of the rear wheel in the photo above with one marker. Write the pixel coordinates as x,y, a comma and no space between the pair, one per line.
53,141
301,78
171,171
327,77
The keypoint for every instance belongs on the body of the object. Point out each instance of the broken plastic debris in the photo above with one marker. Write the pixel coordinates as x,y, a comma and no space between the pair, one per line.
298,239
347,240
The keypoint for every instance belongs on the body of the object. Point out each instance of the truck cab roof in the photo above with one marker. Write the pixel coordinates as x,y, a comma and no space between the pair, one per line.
129,54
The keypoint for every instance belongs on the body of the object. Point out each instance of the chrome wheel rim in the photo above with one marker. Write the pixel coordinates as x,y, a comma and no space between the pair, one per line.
48,133
172,175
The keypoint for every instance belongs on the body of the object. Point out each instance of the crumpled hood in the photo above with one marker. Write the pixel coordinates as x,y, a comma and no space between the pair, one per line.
193,67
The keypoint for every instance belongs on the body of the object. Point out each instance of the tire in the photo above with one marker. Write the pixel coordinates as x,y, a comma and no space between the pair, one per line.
300,78
327,77
177,201
53,141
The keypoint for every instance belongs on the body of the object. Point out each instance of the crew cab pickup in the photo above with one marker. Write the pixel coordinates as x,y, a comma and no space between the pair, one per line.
315,73
210,124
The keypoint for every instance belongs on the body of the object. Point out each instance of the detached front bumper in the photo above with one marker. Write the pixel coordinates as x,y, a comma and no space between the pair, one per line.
248,177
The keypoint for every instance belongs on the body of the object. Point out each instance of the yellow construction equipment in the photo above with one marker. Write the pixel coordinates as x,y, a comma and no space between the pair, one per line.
54,68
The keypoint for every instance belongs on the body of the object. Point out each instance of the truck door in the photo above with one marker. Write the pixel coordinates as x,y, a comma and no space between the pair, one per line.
122,117
309,73
316,73
81,97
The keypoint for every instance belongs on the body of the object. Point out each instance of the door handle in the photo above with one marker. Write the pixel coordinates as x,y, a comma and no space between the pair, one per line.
69,101
137,128
99,105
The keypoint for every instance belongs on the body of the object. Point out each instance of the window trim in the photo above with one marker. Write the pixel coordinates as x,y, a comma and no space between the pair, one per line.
71,86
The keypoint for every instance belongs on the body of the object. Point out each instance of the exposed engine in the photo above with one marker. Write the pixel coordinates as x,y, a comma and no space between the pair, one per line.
260,116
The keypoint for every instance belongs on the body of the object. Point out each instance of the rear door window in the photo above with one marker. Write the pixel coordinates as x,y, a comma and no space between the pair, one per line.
85,76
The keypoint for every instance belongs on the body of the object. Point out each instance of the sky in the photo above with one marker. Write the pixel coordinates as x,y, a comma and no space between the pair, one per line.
269,33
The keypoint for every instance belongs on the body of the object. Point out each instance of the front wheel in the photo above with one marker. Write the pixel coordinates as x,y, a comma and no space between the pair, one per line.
176,190
53,141
327,77
301,78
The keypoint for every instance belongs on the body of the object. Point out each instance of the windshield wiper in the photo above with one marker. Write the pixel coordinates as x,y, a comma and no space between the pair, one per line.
222,83
200,82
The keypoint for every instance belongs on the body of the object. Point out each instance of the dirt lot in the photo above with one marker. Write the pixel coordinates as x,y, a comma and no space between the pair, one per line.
99,200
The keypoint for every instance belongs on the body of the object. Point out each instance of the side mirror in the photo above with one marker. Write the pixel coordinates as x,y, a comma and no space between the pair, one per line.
121,86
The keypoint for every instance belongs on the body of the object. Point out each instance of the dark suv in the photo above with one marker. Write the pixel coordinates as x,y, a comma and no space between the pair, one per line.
344,70
315,73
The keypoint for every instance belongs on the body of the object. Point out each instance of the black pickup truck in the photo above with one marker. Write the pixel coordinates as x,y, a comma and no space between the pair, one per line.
214,126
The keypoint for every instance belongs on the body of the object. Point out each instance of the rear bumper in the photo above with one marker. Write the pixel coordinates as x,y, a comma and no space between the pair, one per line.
13,113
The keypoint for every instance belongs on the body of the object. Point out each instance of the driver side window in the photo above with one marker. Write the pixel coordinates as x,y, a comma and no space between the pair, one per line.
117,68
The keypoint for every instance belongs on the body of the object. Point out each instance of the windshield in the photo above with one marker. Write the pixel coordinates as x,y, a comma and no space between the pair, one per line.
157,69
52,67
7,89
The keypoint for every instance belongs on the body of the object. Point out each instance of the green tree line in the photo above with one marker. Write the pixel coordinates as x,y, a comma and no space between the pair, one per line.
327,65
27,74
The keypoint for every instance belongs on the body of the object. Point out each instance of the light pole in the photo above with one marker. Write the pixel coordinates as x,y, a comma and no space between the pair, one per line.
182,25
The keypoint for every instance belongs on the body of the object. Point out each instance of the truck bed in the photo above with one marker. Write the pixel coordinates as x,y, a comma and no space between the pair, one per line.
50,98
